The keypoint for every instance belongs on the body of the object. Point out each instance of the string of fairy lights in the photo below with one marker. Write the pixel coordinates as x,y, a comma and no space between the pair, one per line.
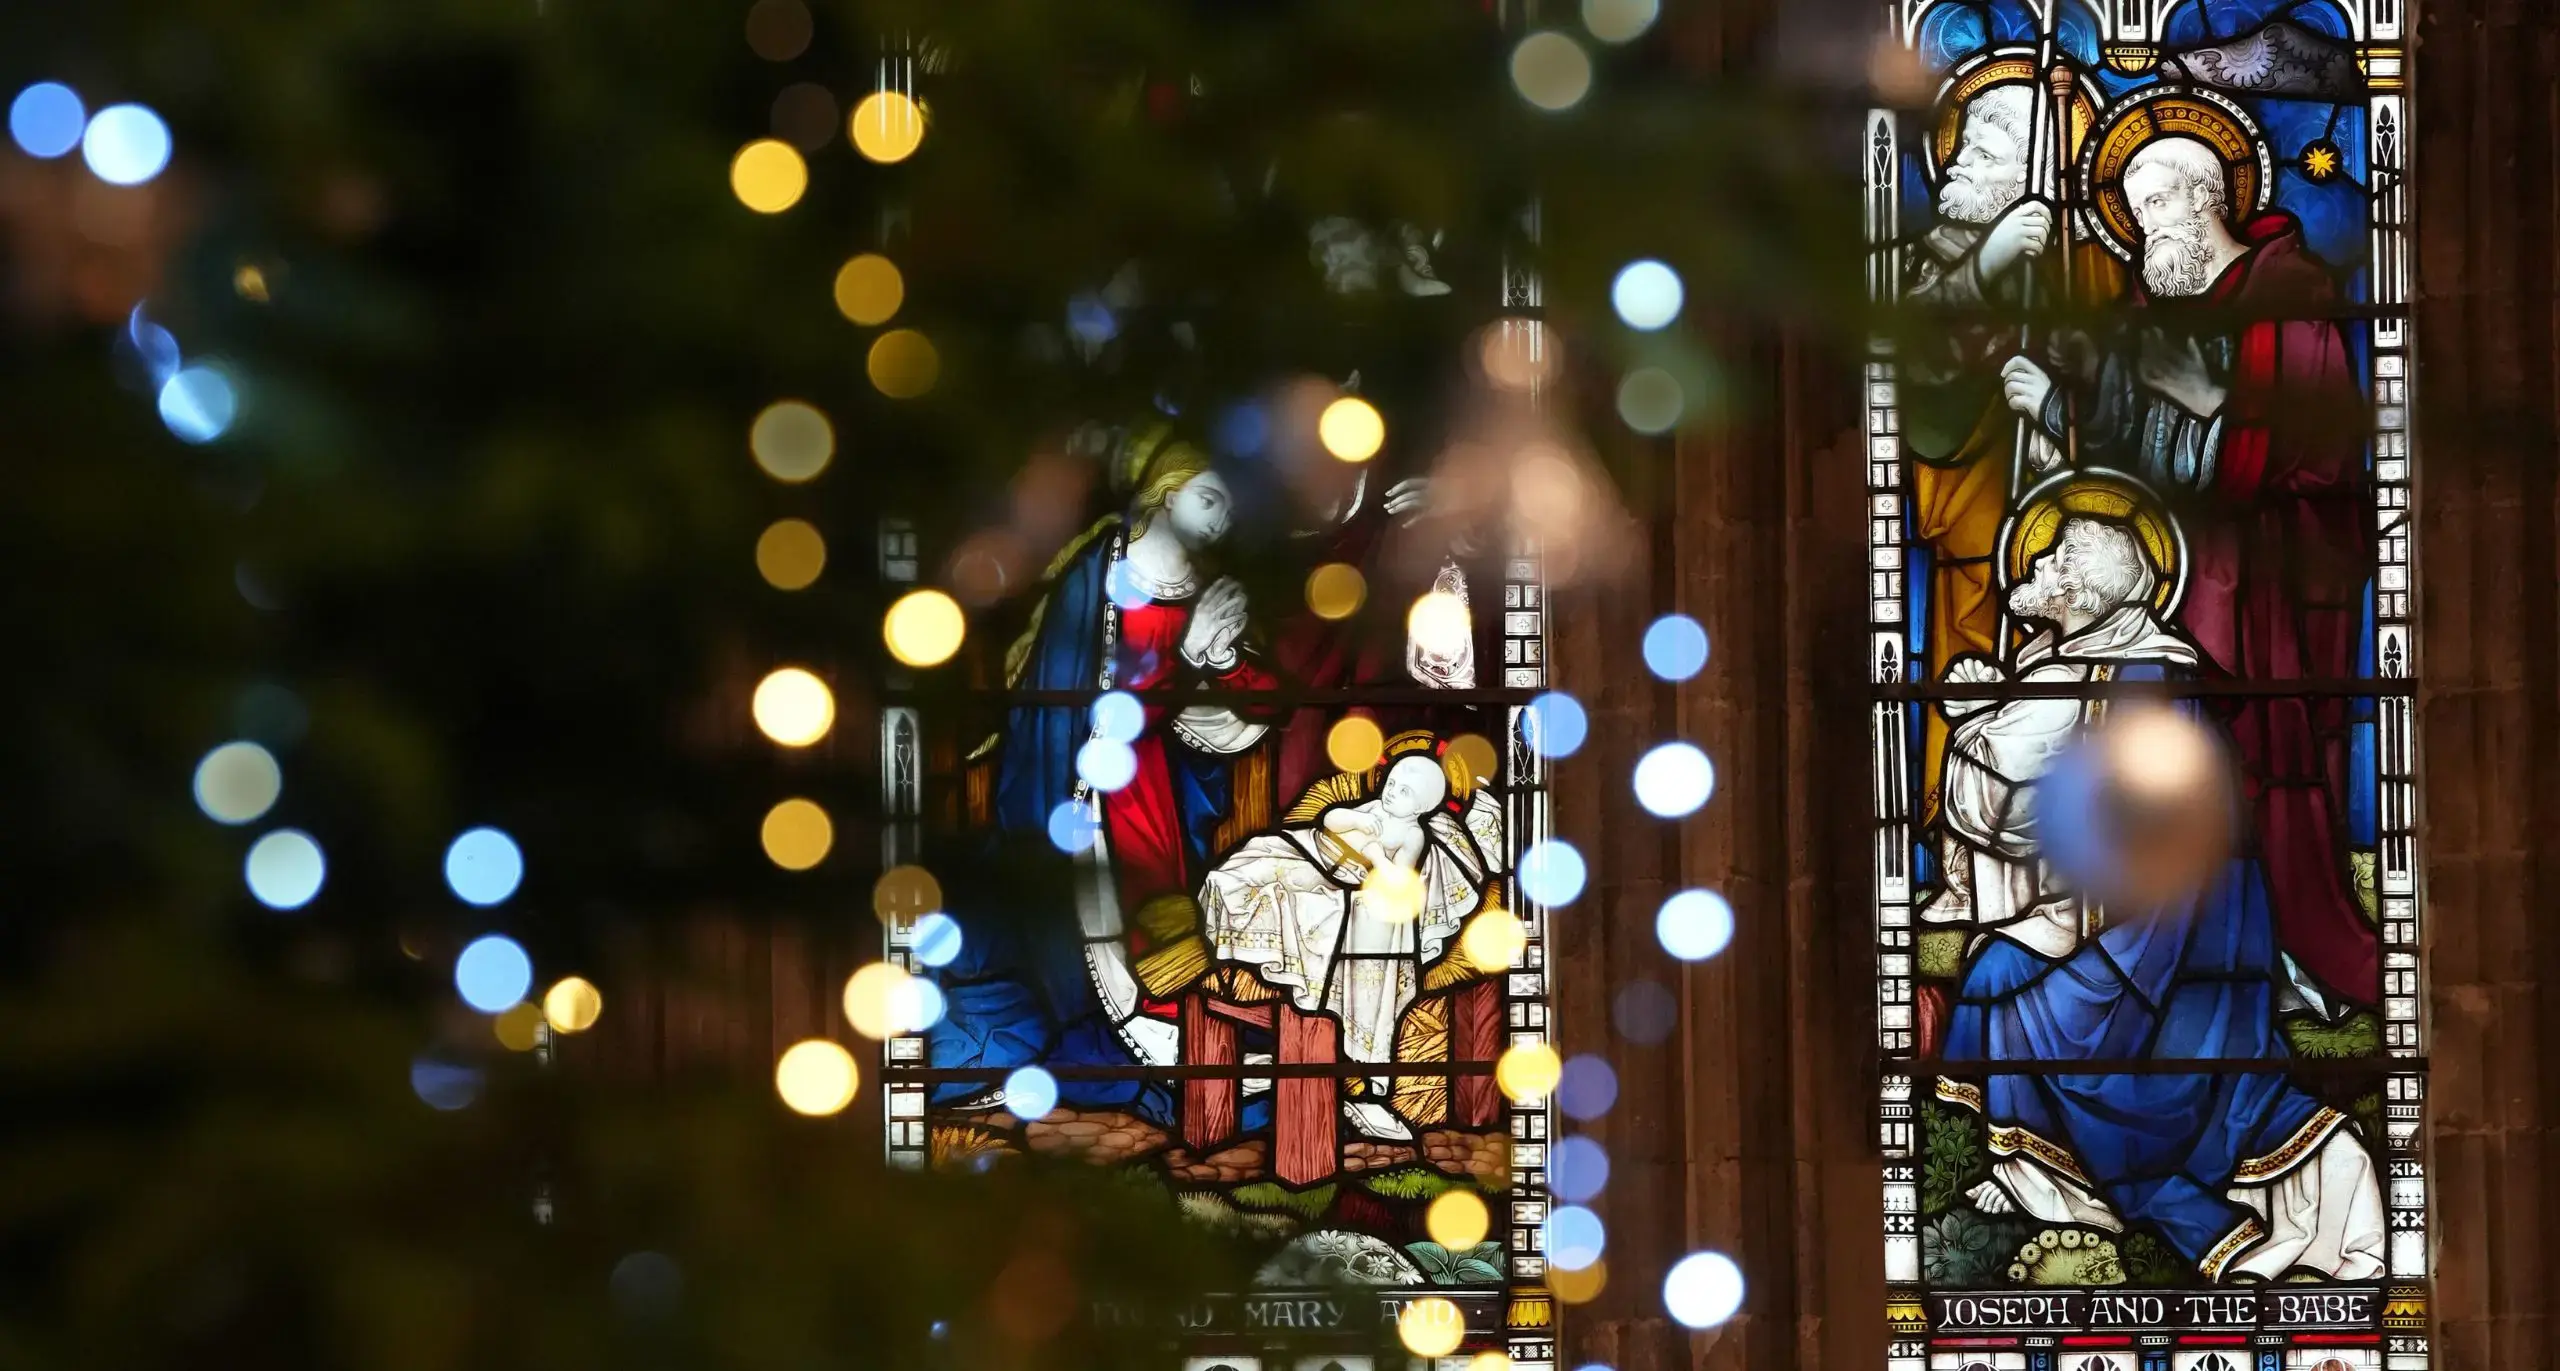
925,627
792,442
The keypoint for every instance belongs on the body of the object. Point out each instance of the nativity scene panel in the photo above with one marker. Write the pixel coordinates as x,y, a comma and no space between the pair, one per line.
1285,946
2138,436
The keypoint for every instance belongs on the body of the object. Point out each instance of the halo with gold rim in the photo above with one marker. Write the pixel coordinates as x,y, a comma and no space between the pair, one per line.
1427,743
2003,67
2099,494
2170,112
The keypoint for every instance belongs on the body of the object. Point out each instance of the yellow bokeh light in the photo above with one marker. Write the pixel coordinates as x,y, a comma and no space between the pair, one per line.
1457,1220
903,364
1489,1361
519,1028
794,708
1439,623
1527,1071
1550,70
869,289
250,283
1352,429
790,554
768,176
924,628
792,441
873,999
572,1005
1579,1287
1336,590
816,1077
1392,893
797,834
887,126
904,894
1354,743
1471,755
1431,1327
1493,939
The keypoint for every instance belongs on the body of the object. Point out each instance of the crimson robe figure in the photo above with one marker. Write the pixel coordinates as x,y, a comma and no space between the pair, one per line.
2255,432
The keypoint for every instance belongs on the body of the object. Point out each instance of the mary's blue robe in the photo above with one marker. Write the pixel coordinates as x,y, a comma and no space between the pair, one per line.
1020,993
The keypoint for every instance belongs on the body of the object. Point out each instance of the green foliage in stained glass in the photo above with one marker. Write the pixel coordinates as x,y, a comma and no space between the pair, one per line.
2148,1261
1480,1263
1307,1204
1965,1248
1952,1155
1413,1183
2357,1035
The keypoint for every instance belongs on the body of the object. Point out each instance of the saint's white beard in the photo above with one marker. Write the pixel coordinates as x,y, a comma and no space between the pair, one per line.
1964,199
2174,259
2041,598
2049,595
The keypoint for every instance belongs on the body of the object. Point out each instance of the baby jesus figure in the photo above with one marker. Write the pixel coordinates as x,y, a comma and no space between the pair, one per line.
1343,913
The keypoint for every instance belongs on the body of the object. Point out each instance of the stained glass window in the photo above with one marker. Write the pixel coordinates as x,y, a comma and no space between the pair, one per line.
2142,422
1226,897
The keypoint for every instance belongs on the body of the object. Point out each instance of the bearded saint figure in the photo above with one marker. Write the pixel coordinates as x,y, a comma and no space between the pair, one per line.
1989,239
2256,431
2243,1173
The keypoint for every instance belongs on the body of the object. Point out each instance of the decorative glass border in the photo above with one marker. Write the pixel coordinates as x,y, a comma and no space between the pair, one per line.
2379,29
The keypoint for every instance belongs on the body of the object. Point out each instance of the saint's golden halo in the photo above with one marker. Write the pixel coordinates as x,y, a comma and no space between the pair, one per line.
2004,67
2097,493
2171,112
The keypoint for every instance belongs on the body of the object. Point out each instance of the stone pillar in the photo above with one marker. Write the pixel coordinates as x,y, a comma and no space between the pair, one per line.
2488,559
1750,1129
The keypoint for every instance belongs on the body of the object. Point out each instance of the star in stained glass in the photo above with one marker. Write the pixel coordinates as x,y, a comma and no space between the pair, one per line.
2321,160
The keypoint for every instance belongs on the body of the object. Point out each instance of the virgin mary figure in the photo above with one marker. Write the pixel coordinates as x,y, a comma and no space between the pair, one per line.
1126,606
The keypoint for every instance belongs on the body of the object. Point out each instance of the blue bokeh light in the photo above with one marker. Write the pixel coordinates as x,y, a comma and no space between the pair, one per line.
285,869
1030,1093
1552,872
156,348
1556,724
442,1084
1245,429
1578,1169
1106,763
1694,925
493,974
46,119
1674,780
125,145
1647,294
1091,321
1703,1289
1071,826
1118,716
1675,647
483,866
922,1004
936,939
1122,586
1575,1237
1644,1012
1588,1087
198,404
